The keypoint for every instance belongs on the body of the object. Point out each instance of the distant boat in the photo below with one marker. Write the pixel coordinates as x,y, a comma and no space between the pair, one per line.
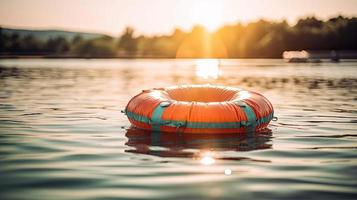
296,56
317,56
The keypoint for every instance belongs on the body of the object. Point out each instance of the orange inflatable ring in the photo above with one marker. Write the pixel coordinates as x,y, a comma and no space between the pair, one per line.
199,109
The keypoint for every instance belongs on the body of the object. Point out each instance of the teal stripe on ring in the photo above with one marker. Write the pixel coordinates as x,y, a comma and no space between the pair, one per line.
198,125
156,120
249,112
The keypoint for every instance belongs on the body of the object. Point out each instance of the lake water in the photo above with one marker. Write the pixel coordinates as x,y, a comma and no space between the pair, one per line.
62,135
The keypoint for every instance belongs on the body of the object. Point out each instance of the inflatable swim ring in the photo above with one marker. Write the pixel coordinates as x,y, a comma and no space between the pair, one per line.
199,109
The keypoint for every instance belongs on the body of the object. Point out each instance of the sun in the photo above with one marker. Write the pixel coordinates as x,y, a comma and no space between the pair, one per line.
207,13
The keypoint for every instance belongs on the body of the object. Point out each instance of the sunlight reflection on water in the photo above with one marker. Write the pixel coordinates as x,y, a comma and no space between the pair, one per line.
207,68
207,158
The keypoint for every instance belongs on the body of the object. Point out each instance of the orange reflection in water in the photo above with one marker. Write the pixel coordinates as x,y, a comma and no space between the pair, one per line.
202,148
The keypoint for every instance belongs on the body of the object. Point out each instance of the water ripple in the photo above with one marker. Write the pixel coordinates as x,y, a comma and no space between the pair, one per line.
62,135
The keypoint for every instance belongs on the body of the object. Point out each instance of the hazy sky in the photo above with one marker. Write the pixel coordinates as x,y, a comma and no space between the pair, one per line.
159,16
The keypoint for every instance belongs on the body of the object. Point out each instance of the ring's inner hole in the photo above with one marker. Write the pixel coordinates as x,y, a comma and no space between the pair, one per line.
201,94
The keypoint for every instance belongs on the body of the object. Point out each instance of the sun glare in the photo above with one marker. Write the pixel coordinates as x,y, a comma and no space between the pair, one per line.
207,68
207,13
207,158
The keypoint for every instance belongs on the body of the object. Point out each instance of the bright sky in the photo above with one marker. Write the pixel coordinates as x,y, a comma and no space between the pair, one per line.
159,16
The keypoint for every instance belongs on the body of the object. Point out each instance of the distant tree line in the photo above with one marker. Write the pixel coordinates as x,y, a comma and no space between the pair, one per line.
260,39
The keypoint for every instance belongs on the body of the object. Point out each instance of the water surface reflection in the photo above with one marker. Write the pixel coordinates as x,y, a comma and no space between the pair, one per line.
196,146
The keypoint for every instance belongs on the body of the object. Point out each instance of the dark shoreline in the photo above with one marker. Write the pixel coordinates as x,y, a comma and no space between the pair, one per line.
133,58
121,57
80,57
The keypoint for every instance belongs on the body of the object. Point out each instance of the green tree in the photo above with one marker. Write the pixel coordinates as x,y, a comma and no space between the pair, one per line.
99,47
31,45
128,42
58,45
